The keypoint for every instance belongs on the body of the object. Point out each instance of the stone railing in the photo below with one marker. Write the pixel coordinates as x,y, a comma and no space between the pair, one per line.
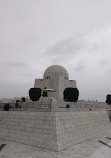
60,104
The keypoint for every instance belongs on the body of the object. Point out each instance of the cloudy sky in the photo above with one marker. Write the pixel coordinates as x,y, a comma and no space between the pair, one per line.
35,34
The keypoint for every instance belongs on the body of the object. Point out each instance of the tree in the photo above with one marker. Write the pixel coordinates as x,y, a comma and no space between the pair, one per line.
17,103
35,94
71,94
23,99
108,99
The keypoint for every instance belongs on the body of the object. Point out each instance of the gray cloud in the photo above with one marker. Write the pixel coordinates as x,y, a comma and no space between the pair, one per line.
64,50
15,64
64,47
79,68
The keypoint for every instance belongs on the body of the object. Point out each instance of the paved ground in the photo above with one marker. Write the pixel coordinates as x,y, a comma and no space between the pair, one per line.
99,147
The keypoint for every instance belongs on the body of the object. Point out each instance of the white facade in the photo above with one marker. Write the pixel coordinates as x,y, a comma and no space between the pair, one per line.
55,77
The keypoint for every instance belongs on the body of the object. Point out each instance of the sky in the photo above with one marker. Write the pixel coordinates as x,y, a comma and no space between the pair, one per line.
75,34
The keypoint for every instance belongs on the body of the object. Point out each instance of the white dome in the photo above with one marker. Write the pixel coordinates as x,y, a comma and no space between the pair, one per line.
56,69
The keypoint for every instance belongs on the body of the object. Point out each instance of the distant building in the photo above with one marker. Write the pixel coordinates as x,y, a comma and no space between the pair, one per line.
5,100
9,100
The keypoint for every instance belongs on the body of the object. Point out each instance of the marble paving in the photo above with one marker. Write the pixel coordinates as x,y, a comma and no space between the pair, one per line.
92,148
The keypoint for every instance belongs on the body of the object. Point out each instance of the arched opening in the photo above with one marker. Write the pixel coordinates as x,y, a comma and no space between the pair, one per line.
45,94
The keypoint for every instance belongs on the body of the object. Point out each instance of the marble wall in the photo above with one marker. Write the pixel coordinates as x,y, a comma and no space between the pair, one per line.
52,130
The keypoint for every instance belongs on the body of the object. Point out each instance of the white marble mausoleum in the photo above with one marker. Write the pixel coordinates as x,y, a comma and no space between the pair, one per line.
55,78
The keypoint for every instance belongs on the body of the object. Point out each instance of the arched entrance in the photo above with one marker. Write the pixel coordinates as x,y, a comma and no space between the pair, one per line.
45,94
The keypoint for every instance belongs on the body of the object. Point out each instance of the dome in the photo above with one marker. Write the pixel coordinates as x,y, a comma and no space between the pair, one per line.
56,69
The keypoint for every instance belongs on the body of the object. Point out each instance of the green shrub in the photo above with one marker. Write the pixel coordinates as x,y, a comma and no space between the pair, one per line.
67,106
35,94
71,94
6,107
108,99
